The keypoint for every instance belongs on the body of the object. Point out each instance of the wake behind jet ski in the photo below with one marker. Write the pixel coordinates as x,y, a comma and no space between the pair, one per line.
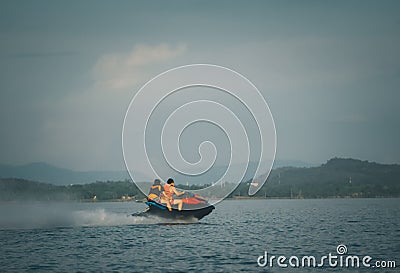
169,203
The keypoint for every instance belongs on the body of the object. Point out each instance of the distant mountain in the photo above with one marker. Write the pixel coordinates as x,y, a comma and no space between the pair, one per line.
300,175
217,171
338,177
20,189
47,173
279,163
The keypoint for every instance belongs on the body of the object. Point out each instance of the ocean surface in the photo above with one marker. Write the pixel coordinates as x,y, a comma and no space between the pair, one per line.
101,237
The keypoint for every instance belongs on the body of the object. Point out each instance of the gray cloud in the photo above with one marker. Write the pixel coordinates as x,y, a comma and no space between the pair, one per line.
330,73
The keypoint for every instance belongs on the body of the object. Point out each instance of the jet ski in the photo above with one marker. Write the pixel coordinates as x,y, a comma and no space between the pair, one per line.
194,206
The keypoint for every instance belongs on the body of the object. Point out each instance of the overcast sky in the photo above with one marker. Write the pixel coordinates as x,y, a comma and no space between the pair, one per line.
329,70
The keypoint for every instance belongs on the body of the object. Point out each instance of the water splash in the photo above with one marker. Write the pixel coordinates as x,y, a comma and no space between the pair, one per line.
53,215
101,217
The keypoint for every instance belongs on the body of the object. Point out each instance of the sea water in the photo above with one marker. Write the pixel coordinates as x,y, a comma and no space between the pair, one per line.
103,237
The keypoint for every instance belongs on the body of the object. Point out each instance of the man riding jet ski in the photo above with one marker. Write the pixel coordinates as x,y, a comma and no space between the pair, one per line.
164,202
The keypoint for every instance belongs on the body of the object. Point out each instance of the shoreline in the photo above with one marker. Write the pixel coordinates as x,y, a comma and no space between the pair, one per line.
237,198
249,198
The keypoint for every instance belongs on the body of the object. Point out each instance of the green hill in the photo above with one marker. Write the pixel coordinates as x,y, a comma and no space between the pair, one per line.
19,189
336,178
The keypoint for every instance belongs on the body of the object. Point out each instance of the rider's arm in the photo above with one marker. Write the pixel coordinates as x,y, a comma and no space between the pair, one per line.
177,192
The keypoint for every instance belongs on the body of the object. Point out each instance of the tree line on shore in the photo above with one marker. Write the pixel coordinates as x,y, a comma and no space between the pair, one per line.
336,178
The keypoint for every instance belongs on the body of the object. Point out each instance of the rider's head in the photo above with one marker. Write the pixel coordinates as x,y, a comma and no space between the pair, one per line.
157,181
170,181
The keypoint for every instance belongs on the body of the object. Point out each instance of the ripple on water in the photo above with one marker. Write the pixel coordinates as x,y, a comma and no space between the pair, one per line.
101,237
